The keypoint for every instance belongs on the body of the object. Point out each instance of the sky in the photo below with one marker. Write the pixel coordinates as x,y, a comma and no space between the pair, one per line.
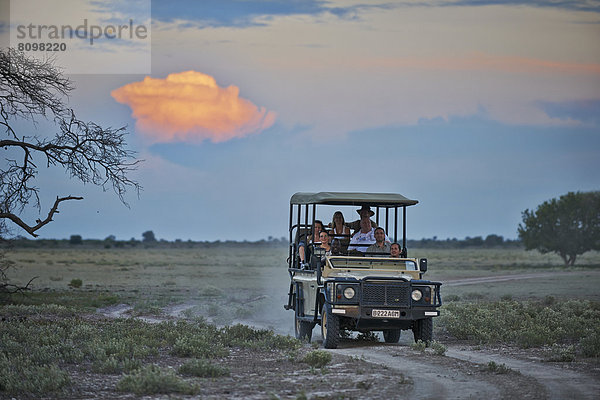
478,109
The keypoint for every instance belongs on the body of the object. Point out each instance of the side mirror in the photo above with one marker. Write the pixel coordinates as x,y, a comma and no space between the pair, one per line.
423,264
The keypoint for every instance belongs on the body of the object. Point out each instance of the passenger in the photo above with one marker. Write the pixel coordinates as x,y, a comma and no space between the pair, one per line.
339,230
364,237
380,245
365,212
314,238
324,238
395,250
336,247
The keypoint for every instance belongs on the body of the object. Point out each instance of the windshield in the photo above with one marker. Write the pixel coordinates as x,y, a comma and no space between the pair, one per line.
372,263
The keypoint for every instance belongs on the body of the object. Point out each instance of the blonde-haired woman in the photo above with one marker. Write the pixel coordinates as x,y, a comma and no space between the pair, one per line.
339,230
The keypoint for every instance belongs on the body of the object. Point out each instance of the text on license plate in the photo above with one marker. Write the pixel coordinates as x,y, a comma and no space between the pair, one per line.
385,313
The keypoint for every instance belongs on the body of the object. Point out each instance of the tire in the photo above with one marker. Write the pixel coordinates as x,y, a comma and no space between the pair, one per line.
423,330
303,329
330,328
391,335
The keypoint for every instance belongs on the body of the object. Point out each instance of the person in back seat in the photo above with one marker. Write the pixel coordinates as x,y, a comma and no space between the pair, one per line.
324,238
364,237
339,230
365,212
313,238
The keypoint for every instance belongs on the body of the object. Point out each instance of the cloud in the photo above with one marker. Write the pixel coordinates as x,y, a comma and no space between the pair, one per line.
190,106
586,111
482,61
244,13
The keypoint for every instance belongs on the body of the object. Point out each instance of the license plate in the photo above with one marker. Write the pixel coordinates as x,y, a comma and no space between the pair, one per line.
385,313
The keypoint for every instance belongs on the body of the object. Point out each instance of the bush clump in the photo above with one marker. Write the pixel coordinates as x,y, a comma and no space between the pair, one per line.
76,283
203,369
36,339
527,324
152,379
317,358
20,375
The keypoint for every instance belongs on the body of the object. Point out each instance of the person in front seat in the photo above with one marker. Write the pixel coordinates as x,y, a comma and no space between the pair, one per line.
380,245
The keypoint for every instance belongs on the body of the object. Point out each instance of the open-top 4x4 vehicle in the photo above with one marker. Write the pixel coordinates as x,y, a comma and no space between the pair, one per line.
357,290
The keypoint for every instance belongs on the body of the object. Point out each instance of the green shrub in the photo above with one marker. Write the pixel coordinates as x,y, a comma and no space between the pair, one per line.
527,324
498,368
317,358
203,369
438,348
152,379
38,338
198,346
245,336
590,345
560,353
20,375
113,365
76,283
419,346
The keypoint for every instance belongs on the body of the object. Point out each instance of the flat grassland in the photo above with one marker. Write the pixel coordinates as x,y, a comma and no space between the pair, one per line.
247,283
262,270
185,299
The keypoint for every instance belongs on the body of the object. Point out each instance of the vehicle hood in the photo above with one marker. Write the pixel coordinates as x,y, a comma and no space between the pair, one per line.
359,275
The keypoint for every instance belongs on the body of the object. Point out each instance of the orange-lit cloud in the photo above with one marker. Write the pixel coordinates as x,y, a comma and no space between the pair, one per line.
190,106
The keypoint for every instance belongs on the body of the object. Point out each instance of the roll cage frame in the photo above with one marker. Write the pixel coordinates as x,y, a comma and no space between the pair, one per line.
303,206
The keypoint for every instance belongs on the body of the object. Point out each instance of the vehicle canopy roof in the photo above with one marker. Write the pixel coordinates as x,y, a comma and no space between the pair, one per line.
353,199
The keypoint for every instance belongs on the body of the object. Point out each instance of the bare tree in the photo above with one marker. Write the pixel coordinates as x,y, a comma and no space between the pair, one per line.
31,90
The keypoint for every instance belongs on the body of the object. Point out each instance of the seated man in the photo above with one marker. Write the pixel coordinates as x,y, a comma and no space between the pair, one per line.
365,212
381,245
364,237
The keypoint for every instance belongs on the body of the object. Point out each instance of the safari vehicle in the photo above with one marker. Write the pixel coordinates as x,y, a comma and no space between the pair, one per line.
357,290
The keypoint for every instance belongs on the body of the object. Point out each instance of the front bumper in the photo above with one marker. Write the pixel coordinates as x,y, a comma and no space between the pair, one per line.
366,312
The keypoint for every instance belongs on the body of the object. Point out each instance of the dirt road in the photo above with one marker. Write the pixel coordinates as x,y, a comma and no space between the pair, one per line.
464,372
502,278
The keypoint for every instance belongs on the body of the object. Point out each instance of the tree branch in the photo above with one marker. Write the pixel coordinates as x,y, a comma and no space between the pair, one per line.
32,89
32,229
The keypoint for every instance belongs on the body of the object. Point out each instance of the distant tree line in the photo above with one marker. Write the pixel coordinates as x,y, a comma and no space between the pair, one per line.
490,241
149,240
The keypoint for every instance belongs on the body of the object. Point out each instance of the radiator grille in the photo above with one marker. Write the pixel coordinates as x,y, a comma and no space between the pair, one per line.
386,294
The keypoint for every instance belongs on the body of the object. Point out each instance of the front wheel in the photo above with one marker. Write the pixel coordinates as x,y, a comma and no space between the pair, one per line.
423,330
330,328
391,335
303,329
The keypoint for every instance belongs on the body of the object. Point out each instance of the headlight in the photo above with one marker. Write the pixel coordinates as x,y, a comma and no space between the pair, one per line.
416,295
349,293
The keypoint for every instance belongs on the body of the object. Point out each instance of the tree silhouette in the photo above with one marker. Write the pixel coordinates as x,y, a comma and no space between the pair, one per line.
31,90
568,226
148,237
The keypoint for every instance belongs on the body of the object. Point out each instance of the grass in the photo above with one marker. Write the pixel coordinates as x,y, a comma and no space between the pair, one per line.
317,358
527,324
47,332
37,342
152,379
496,368
203,369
